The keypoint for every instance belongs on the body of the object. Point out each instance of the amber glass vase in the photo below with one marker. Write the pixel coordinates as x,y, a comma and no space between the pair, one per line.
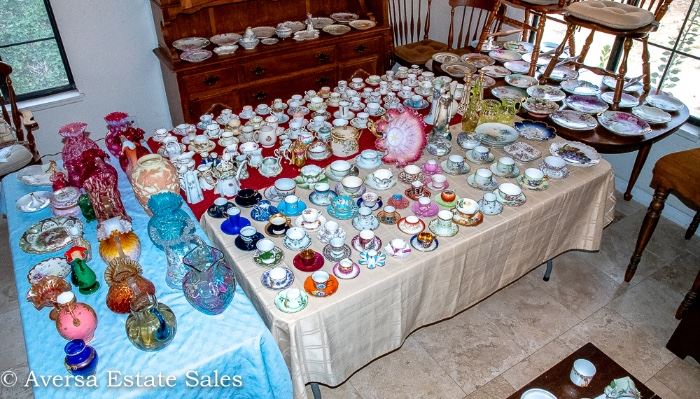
123,275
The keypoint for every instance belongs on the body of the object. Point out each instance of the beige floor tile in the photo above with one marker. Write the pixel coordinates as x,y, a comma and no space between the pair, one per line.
635,349
681,378
12,351
409,372
343,391
471,348
498,388
680,273
627,207
662,390
537,363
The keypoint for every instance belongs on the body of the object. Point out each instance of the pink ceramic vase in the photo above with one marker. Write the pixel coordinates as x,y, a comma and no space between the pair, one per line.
75,320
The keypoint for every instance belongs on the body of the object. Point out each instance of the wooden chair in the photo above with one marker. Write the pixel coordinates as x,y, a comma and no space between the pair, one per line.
633,22
21,124
675,173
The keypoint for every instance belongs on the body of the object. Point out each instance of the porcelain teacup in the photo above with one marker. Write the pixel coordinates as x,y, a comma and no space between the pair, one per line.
351,184
374,79
357,83
366,238
505,165
533,177
483,177
369,199
221,204
320,279
382,177
285,186
373,108
396,85
334,99
425,239
424,203
262,109
277,275
278,223
310,215
480,153
444,219
467,206
412,171
406,92
510,191
294,237
265,248
448,196
554,162
416,100
389,75
412,221
247,112
438,181
342,85
308,257
582,373
431,166
293,299
340,168
389,215
369,156
399,246
417,188
337,246
356,102
291,203
247,234
345,265
362,118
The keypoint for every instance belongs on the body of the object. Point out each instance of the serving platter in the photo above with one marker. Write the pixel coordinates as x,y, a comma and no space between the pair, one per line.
521,81
623,123
50,235
587,104
575,153
626,101
535,130
509,93
651,114
574,120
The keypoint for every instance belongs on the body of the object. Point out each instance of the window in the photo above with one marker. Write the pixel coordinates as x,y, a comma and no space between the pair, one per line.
30,43
674,52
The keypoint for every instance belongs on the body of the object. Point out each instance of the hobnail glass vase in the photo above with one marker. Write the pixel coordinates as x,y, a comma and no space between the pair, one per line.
209,285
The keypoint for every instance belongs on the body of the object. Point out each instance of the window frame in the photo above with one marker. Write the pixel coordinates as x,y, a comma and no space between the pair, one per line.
64,59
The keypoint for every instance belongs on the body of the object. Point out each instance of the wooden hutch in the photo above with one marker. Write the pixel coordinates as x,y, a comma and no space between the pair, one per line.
268,71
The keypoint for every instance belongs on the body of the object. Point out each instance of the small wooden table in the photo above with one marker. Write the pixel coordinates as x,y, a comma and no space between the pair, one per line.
556,380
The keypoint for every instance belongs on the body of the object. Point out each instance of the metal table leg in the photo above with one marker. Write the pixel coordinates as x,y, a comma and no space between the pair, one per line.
548,272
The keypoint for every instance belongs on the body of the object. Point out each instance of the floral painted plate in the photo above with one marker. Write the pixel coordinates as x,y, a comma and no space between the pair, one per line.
664,102
574,120
445,58
197,55
362,24
521,81
477,60
534,130
546,92
190,43
561,73
50,235
496,134
509,92
652,115
575,153
580,87
344,17
495,71
225,39
626,101
503,55
539,107
488,81
519,66
50,267
518,46
587,104
457,69
321,22
632,85
522,152
623,123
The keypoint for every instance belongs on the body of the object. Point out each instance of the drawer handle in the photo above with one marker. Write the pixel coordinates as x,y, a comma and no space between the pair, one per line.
260,96
323,57
258,71
360,49
211,80
322,81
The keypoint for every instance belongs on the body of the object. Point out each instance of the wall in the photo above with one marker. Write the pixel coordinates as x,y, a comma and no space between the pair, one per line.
109,46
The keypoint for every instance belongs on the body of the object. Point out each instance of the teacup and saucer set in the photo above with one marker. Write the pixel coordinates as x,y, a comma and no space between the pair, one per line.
510,194
277,225
360,120
291,206
446,199
330,230
489,205
310,220
267,254
291,300
234,222
339,169
443,225
321,284
372,258
318,123
346,269
365,220
39,200
247,112
351,186
480,155
455,165
398,201
310,175
336,249
411,173
282,188
201,144
417,190
388,215
431,167
437,182
505,167
554,167
398,248
219,207
342,207
374,109
296,239
247,198
369,159
483,180
366,240
277,278
424,241
308,260
533,179
467,141
262,211
371,200
467,213
425,207
411,225
322,194
380,180
247,238
416,101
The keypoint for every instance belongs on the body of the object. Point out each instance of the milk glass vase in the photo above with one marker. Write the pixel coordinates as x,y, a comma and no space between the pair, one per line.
151,326
209,285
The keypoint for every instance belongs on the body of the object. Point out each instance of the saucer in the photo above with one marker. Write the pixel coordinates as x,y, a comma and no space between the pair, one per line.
354,272
432,210
282,208
268,229
272,195
379,262
476,161
417,245
542,186
341,191
363,164
269,284
490,210
398,204
42,197
280,302
449,205
471,180
516,202
261,214
352,172
473,220
411,229
377,205
376,244
318,263
248,247
394,254
331,286
319,199
373,223
313,226
432,226
328,253
465,169
554,173
369,181
248,203
231,229
279,255
414,196
514,173
355,122
408,179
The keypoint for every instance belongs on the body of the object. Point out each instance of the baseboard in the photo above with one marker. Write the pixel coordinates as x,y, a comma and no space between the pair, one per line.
677,216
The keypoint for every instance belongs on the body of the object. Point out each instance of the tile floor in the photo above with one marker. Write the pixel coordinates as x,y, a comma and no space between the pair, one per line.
497,346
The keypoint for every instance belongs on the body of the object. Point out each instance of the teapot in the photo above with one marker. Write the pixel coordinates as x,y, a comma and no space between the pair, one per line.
296,154
228,176
271,166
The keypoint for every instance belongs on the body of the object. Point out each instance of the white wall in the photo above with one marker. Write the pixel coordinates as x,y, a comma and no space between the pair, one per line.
109,45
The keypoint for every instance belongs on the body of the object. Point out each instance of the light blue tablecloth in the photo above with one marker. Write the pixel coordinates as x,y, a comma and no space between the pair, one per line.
234,343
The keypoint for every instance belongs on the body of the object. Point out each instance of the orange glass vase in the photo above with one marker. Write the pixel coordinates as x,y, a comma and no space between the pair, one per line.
123,275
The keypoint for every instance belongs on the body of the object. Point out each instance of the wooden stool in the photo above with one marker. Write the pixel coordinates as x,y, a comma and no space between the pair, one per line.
678,173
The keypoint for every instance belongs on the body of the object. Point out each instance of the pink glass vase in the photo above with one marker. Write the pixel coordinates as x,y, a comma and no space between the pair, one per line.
117,122
100,183
75,143
75,320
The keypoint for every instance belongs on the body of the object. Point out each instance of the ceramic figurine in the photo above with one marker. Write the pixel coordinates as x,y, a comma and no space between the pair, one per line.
81,359
75,143
75,320
82,276
151,325
190,183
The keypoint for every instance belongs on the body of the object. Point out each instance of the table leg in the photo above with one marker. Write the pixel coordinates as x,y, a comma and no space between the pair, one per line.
648,225
689,299
548,272
693,226
316,390
642,155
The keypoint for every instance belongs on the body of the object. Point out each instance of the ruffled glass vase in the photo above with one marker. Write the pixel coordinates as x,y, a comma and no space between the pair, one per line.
209,285
169,220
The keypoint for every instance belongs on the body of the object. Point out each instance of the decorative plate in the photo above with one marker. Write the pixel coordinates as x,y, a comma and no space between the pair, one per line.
344,17
225,50
540,107
626,101
403,136
574,120
652,115
321,22
336,29
197,55
517,66
190,43
535,130
477,60
509,93
495,71
50,267
362,24
587,104
34,201
36,175
269,41
445,58
295,26
542,59
580,87
49,235
521,81
546,92
561,73
632,85
264,32
575,153
496,134
503,55
623,123
457,69
488,81
522,152
664,102
518,46
225,39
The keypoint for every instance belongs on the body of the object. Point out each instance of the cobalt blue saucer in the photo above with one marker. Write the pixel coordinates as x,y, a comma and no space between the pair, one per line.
231,229
243,246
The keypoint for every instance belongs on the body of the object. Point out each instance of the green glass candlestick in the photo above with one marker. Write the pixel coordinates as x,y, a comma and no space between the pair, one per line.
82,276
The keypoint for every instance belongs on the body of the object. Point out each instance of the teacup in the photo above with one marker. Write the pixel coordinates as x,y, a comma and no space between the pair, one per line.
345,265
356,83
310,215
412,221
396,85
426,76
389,215
262,109
247,234
425,239
291,203
340,122
399,245
362,118
213,130
234,215
298,98
448,196
265,248
439,181
554,162
307,256
389,75
320,279
489,199
369,199
364,211
366,238
467,206
342,85
285,186
374,79
470,144
340,168
505,165
510,191
416,100
406,91
444,219
417,188
247,112
582,372
382,177
322,188
455,162
278,223
277,275
483,177
331,227
431,166
295,237
201,139
424,204
319,121
480,153
412,171
221,204
293,298
533,177
206,119
369,156
337,245
351,184
373,108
